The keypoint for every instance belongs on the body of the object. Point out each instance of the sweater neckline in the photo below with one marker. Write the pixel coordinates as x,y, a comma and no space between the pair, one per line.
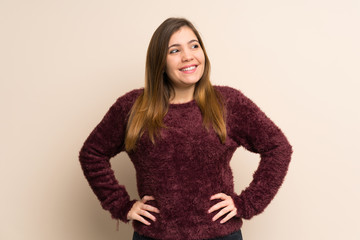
182,105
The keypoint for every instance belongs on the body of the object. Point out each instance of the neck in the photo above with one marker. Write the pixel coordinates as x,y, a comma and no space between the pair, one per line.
182,95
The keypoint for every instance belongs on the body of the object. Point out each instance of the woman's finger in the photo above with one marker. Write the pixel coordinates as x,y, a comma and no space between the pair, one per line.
227,207
150,208
141,219
222,212
222,196
147,198
227,200
218,206
140,210
229,216
147,214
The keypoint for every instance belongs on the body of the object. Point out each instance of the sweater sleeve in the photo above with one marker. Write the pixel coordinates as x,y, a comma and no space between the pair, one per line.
103,143
252,129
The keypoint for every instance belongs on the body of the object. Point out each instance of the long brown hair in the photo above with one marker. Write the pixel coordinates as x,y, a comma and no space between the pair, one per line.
151,106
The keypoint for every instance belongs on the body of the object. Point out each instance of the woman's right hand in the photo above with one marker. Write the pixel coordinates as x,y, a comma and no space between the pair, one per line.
140,209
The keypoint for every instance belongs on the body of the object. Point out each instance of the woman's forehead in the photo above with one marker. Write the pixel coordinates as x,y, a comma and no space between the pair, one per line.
182,36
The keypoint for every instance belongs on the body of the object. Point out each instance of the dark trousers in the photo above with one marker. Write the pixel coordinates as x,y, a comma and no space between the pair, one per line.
233,236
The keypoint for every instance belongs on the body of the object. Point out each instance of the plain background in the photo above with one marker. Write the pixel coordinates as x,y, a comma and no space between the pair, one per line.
64,63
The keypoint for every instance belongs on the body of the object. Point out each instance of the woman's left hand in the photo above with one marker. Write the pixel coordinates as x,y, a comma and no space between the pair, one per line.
227,206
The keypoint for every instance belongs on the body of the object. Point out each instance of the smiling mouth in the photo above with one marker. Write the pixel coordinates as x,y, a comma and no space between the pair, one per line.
188,68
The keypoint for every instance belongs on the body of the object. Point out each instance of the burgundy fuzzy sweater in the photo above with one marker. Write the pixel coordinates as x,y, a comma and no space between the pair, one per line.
187,165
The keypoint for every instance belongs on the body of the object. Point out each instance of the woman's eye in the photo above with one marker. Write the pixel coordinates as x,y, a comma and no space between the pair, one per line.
174,51
195,46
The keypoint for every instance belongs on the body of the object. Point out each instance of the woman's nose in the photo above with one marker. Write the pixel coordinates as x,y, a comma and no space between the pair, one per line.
186,56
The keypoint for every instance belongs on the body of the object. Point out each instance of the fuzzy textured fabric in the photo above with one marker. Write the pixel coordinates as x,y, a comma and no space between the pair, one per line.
187,165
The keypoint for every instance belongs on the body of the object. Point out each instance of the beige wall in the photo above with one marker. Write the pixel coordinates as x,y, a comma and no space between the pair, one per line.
63,63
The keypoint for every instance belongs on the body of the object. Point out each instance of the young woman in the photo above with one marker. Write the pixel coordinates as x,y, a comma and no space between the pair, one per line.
180,132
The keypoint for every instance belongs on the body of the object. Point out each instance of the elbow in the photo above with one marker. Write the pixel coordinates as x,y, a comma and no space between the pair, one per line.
285,151
280,151
287,147
82,153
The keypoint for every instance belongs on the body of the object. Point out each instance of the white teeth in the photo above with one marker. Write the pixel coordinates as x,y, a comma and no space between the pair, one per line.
189,68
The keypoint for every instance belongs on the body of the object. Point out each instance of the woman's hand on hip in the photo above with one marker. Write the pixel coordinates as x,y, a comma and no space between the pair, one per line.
140,209
227,205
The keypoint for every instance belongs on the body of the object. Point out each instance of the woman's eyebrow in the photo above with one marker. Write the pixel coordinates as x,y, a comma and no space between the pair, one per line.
177,44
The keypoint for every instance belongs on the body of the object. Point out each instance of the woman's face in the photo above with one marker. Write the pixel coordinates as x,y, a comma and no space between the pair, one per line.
185,60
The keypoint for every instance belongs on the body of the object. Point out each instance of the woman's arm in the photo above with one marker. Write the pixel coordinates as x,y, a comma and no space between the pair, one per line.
104,142
251,128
